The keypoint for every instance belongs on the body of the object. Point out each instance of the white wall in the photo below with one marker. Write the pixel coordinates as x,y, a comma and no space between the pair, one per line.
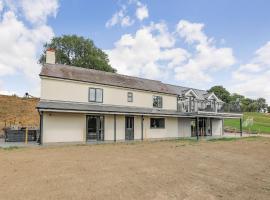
63,127
217,127
170,130
184,127
64,90
109,127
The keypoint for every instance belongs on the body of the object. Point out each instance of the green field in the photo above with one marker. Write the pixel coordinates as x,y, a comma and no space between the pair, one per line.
261,123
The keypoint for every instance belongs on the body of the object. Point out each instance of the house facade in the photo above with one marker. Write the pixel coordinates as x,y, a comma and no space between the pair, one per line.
80,105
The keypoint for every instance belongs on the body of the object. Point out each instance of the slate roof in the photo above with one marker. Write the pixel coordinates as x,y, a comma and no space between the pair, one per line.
89,107
113,79
57,106
101,77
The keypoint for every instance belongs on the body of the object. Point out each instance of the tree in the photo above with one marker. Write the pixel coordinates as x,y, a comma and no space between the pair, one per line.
78,51
268,109
245,104
221,93
236,97
261,103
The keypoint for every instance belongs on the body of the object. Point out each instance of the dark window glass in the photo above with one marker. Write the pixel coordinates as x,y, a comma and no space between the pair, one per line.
96,95
130,96
157,101
157,123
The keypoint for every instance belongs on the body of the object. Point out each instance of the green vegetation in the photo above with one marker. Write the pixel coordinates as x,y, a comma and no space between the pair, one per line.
246,104
78,51
261,123
10,148
234,139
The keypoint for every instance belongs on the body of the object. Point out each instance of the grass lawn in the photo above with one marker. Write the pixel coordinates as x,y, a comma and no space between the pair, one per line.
261,123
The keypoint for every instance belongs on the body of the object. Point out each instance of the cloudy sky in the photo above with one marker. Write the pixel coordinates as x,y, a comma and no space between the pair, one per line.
185,42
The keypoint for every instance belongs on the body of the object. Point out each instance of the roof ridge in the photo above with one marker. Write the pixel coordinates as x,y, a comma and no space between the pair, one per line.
185,87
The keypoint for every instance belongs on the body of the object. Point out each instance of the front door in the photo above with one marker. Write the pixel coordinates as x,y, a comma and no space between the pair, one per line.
95,128
129,128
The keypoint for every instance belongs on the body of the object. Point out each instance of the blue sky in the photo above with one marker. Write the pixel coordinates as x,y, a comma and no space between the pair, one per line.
185,42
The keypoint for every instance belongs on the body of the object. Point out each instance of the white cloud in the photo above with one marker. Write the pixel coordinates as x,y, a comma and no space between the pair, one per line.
252,79
38,11
21,44
153,52
140,54
191,32
122,16
142,12
206,57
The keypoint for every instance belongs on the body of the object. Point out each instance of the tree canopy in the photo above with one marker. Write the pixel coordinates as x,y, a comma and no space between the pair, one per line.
78,51
247,104
221,93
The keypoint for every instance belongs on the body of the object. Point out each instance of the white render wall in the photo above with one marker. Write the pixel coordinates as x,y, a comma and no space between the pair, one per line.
184,127
217,127
170,130
63,127
65,90
71,127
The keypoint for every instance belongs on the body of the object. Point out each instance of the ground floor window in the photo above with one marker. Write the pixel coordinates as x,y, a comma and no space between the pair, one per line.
157,123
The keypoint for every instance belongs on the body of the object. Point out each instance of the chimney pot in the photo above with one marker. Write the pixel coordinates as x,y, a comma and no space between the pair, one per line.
50,56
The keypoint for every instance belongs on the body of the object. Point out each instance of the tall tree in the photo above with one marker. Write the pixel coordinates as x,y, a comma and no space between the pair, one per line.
78,51
261,102
236,97
221,93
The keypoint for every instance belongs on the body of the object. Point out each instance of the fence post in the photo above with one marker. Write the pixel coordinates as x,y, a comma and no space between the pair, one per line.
26,135
241,131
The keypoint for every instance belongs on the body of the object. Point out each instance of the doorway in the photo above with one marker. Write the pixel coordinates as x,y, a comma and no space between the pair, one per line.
129,135
204,128
95,128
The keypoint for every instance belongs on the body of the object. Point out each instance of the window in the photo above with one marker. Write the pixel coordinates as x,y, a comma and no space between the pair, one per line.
157,123
130,97
157,101
96,95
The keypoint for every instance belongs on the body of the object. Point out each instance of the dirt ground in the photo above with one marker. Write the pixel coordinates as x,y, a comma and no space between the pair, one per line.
238,169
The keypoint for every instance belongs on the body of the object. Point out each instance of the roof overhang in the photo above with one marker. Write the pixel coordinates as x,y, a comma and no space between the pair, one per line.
87,108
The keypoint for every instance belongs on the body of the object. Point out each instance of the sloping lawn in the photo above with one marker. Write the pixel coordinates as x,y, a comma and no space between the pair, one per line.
261,123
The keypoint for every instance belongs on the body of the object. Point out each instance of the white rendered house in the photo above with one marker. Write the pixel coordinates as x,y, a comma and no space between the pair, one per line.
80,105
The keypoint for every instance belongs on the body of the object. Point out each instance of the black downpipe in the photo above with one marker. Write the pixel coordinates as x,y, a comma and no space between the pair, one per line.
114,127
41,128
142,127
197,130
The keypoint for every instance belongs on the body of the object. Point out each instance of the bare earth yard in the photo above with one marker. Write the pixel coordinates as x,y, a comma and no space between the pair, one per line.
237,169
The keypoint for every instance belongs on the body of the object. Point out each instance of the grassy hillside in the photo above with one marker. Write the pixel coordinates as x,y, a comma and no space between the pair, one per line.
261,123
18,111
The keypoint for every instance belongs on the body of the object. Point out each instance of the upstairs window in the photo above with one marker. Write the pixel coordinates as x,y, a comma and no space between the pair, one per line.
157,123
130,97
96,95
157,101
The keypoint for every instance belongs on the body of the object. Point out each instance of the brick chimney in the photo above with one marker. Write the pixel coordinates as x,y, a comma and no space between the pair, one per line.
50,56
